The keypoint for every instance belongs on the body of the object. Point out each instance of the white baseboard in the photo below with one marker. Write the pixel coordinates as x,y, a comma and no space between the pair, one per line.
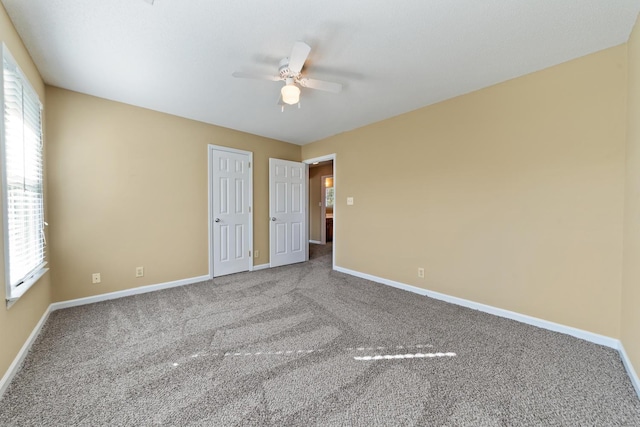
633,376
545,324
578,333
317,242
127,292
17,362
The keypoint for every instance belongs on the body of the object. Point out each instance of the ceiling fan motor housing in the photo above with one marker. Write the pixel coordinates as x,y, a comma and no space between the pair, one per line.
284,70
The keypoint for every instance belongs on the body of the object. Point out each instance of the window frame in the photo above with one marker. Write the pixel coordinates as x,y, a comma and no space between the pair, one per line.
13,293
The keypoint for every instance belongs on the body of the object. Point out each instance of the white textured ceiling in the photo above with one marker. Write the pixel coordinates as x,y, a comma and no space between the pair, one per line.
177,56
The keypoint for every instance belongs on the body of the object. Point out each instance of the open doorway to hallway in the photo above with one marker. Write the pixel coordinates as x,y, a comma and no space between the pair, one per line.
321,208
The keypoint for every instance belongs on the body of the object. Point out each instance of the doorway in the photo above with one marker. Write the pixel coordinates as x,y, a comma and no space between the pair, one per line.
322,206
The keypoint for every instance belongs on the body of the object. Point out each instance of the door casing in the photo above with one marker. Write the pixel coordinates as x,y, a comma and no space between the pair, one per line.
335,198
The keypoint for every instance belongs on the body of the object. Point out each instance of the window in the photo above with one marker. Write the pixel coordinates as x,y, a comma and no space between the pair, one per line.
327,184
22,195
329,197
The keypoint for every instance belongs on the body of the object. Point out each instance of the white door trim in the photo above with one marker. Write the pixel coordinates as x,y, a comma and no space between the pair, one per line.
210,149
335,198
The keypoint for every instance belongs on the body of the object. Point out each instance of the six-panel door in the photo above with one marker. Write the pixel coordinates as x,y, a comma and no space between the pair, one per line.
288,212
231,212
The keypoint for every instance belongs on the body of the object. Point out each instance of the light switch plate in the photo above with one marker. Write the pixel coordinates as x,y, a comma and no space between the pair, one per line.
349,200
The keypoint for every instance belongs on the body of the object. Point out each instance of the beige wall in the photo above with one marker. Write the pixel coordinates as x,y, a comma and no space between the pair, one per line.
17,322
510,196
631,272
128,188
315,197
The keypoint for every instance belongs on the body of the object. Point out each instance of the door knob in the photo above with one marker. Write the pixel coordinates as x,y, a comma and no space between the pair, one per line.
273,218
217,219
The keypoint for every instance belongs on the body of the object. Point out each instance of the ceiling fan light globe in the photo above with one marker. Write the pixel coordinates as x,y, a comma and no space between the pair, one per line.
290,94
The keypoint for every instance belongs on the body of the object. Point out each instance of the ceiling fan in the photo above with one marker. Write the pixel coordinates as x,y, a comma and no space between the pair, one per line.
290,72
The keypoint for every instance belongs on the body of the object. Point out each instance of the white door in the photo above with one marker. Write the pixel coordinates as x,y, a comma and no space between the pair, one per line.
231,211
288,235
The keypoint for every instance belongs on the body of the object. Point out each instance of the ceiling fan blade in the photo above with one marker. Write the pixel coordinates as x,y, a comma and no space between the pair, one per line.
299,54
321,85
242,75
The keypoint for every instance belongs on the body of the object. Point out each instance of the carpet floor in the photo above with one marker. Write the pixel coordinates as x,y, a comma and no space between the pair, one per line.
303,345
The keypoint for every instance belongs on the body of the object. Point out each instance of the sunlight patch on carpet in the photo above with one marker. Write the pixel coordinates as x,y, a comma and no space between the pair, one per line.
299,352
404,356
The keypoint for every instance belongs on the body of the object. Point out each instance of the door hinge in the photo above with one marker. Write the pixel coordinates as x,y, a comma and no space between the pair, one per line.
249,254
249,164
249,209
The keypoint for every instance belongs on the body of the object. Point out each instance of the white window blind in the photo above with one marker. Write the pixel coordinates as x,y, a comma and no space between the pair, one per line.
22,180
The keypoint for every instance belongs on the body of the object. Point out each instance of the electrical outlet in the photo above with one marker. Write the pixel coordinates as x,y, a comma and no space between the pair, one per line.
139,271
95,278
256,253
421,273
